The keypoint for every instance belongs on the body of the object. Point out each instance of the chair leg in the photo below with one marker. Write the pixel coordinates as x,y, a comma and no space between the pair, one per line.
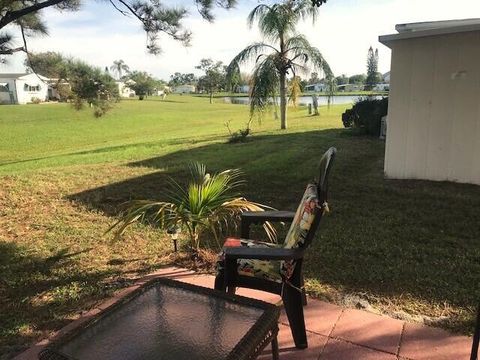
304,293
293,302
231,290
304,297
220,281
476,338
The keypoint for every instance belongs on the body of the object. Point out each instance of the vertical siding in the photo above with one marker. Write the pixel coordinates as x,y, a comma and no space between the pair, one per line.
420,99
434,112
398,108
466,109
442,110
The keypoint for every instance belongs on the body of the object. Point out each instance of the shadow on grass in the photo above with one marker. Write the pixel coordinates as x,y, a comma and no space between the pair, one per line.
37,294
411,242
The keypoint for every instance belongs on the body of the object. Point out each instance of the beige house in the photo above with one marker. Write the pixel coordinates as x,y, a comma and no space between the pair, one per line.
433,127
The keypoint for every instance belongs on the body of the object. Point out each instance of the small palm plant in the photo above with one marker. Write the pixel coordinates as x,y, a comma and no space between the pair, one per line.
207,203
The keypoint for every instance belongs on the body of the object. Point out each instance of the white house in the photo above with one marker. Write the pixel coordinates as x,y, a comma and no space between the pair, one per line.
350,87
433,127
386,77
245,89
184,89
382,87
123,89
320,87
22,88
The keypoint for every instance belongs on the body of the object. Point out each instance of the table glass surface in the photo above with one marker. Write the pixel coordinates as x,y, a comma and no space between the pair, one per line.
165,322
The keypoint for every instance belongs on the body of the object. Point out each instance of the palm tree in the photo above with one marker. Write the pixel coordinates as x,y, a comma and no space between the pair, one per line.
119,67
294,53
209,202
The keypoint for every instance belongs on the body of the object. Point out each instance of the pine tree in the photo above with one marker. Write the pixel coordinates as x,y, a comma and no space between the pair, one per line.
372,69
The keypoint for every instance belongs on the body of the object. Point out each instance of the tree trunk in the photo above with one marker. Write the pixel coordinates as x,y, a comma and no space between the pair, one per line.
211,95
283,101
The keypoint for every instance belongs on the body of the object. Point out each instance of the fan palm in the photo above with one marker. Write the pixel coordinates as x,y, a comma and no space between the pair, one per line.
119,67
208,202
294,53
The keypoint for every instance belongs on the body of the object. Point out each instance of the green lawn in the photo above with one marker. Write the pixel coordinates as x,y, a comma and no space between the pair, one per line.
410,248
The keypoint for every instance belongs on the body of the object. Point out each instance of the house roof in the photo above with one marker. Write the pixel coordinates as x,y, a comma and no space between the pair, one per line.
20,75
430,28
12,75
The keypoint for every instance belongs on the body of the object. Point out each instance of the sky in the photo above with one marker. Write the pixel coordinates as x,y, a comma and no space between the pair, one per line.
343,32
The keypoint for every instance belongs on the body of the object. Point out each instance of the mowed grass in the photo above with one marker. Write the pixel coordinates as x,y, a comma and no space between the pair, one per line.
408,248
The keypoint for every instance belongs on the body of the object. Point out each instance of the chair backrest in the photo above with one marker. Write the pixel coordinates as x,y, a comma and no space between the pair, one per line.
326,163
309,212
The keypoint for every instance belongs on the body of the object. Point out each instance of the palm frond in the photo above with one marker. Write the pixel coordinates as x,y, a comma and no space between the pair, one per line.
265,83
305,10
276,21
208,202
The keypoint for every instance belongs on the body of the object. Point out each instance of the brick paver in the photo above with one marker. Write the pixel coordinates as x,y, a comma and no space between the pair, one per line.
333,333
342,350
320,317
425,343
289,351
370,330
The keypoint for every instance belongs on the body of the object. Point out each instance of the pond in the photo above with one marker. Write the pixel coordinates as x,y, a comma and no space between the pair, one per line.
305,100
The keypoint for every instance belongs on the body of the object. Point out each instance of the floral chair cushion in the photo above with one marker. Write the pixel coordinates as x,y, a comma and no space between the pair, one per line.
279,271
300,226
268,270
264,269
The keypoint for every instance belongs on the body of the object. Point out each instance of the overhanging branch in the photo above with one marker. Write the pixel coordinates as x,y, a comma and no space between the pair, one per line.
11,16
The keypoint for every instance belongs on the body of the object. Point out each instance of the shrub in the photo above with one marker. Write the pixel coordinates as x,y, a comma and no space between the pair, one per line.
35,100
366,114
209,202
349,118
238,136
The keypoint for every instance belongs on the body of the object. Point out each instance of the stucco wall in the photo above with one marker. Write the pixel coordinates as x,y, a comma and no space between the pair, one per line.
434,109
25,96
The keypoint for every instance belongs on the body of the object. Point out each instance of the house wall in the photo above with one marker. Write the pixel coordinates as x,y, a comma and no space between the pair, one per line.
433,127
124,91
24,96
7,96
184,89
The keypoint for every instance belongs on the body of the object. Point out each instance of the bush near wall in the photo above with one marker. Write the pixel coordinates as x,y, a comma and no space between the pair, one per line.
366,115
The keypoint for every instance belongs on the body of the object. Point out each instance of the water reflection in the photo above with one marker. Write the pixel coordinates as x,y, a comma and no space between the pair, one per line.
305,100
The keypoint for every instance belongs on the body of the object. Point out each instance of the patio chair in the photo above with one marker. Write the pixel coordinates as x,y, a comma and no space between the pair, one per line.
476,337
277,268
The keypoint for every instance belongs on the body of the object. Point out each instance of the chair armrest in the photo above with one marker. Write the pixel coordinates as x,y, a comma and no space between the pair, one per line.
262,216
262,253
255,217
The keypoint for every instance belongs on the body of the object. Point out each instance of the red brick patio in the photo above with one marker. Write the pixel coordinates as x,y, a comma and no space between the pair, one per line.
333,332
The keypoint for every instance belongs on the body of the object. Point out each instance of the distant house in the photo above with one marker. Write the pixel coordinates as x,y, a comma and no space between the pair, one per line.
386,77
381,87
162,92
184,89
23,88
123,89
244,89
433,127
350,87
320,87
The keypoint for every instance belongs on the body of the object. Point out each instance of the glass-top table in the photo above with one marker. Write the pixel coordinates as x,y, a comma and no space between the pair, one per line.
167,319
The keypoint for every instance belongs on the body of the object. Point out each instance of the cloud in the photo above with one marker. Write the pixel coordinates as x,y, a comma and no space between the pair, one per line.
344,32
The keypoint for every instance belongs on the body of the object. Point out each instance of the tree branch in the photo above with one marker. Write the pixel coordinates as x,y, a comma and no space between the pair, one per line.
11,51
11,16
118,9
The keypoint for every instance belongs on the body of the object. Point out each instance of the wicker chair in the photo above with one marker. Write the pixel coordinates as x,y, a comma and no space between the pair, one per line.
278,268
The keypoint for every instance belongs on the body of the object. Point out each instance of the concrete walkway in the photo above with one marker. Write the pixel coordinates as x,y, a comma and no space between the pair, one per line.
334,333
